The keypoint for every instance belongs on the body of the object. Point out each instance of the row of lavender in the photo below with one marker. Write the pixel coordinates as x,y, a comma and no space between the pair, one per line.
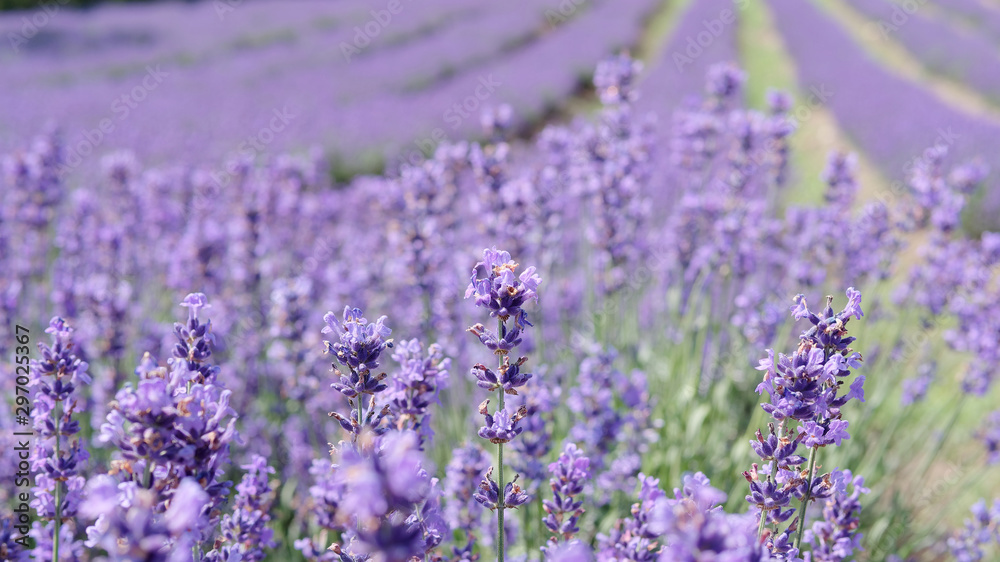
939,44
889,117
156,445
378,78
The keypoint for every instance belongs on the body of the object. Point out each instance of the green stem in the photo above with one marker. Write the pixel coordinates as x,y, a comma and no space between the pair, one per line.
58,498
500,482
805,497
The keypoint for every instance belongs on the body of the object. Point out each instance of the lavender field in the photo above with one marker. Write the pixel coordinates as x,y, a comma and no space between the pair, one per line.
448,281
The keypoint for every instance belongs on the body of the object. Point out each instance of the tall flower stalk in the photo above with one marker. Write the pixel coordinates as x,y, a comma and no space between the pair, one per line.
57,460
804,389
503,293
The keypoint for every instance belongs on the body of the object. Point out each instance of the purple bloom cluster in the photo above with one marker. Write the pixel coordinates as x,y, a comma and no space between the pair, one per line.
361,343
58,457
131,526
244,531
503,293
176,424
804,389
971,544
416,386
837,537
569,475
695,528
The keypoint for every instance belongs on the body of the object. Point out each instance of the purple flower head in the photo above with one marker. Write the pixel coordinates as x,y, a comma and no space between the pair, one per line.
57,458
502,291
417,385
968,544
502,344
489,493
724,83
782,451
195,303
510,379
569,475
815,435
502,426
129,525
697,488
836,537
244,530
380,475
195,340
839,175
360,343
464,471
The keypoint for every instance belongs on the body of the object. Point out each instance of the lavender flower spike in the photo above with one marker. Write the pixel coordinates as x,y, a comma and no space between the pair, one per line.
57,458
503,293
500,291
569,475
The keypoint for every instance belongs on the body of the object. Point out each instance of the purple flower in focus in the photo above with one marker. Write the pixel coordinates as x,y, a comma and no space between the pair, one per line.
489,493
502,426
502,291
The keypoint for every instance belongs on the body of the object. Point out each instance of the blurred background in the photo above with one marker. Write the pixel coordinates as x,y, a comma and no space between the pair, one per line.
357,89
374,83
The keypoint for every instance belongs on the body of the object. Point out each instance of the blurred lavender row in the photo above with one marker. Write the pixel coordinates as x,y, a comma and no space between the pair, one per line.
939,44
357,81
892,119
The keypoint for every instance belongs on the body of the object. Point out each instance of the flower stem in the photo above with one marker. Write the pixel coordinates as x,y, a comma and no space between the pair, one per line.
805,497
500,503
58,495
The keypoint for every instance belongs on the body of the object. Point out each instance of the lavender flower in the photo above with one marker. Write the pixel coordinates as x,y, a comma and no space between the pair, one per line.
636,538
501,427
836,537
503,293
176,422
500,291
693,527
245,530
130,527
915,389
489,493
968,544
803,388
57,459
361,343
467,467
569,474
417,384
359,348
